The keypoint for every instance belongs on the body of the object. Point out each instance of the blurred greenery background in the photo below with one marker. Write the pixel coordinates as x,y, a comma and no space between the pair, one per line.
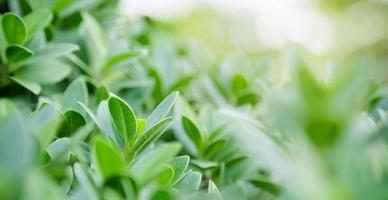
278,99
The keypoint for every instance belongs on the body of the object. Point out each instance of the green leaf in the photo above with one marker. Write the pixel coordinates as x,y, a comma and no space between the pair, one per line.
52,50
204,164
59,150
179,164
141,124
16,53
102,93
161,195
192,131
44,72
151,134
73,120
123,117
213,189
190,182
31,86
165,175
94,39
85,182
267,186
14,29
239,83
162,110
214,148
74,93
151,164
37,20
108,159
120,58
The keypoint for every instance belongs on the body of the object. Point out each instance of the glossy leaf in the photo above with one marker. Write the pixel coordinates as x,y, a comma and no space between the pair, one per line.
123,117
14,29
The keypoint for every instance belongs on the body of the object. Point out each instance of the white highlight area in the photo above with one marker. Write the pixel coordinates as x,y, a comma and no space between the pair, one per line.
277,21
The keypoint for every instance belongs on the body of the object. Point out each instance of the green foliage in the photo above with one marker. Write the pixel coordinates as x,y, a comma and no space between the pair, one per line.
124,109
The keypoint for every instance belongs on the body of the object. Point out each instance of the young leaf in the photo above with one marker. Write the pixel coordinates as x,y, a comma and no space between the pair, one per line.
152,162
151,134
192,131
179,164
14,29
37,20
162,110
190,182
166,175
108,159
141,124
123,117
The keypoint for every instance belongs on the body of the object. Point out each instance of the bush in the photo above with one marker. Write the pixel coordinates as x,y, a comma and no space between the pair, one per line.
95,105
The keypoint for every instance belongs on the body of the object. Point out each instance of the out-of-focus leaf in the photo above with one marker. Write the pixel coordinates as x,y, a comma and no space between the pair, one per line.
52,50
37,20
192,131
267,186
179,164
120,57
14,29
94,38
162,110
190,182
74,93
213,189
203,164
73,120
17,53
150,164
45,72
108,159
31,86
85,182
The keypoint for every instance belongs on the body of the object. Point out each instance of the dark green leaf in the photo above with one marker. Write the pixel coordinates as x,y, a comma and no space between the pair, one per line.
192,131
17,53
